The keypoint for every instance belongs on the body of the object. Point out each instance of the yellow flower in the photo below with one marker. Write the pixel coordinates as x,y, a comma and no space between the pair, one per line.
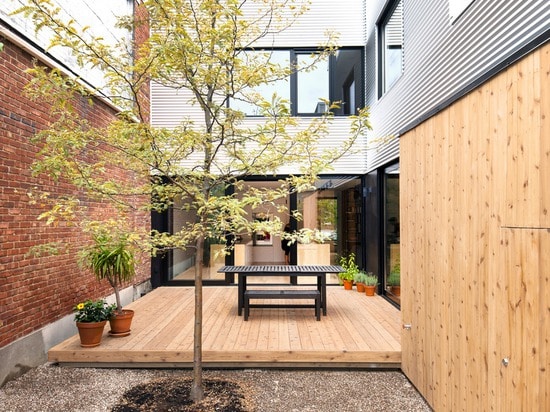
80,306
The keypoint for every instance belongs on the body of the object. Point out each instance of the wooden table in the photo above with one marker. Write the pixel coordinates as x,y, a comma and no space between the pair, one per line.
318,271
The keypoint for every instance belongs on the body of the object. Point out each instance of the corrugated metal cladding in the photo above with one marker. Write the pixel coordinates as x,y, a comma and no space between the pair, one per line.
346,17
442,58
170,108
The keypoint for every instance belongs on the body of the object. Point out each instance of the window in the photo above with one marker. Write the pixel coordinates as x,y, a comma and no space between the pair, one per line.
246,102
392,233
390,54
339,78
311,85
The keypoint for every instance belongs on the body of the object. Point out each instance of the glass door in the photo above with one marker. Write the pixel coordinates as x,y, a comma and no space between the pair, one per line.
392,284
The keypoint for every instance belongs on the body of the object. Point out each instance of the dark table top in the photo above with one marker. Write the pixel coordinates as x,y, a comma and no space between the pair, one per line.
282,269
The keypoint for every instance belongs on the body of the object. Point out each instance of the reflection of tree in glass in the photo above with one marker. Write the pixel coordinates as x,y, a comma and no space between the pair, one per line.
327,214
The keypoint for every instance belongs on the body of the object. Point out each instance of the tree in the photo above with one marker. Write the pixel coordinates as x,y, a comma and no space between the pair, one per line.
202,47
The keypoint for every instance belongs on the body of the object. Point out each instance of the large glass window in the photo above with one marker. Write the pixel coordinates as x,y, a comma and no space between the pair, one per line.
336,79
392,233
390,46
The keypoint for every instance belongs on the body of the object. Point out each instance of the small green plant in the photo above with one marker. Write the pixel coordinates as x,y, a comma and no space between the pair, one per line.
350,267
93,311
360,277
371,279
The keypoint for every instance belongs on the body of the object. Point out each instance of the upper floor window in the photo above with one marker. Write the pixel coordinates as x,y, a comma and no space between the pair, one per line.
311,85
336,79
390,35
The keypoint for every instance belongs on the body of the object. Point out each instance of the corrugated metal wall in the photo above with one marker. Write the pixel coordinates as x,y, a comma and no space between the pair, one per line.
171,107
343,16
442,58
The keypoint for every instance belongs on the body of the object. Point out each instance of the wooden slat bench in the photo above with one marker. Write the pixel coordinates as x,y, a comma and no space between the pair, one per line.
282,294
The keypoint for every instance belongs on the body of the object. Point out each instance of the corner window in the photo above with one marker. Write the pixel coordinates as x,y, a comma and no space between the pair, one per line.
390,35
336,79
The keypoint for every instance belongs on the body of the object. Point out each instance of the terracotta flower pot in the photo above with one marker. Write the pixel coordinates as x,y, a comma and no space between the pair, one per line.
90,333
396,290
369,290
360,287
348,284
120,323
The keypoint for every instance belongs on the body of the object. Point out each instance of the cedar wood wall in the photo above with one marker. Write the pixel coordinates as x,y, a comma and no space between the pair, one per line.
475,239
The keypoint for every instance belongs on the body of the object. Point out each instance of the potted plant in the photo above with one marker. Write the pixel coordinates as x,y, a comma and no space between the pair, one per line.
111,257
350,270
371,281
359,279
91,317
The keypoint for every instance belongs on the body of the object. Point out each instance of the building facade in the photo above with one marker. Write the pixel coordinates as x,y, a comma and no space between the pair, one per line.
447,190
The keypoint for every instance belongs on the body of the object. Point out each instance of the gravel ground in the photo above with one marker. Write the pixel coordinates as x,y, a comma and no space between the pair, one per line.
53,388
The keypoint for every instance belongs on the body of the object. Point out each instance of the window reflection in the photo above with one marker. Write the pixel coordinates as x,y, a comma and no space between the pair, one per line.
247,102
312,85
391,46
392,233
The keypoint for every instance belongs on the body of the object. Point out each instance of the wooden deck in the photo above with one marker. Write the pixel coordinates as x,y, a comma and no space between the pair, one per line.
358,331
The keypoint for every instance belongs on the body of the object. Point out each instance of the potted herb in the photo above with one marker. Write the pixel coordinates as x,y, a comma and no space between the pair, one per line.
91,317
111,257
359,279
350,270
371,281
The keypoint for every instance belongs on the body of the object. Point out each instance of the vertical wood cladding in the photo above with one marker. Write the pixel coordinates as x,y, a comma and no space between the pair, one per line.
475,244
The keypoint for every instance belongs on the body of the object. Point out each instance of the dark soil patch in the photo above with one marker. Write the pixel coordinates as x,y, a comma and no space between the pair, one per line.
173,395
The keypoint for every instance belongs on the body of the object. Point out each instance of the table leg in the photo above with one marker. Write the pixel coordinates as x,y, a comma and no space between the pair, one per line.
322,287
241,288
324,293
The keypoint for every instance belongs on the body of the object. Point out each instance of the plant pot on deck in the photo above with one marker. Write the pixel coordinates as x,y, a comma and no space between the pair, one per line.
360,287
369,290
90,333
121,323
348,284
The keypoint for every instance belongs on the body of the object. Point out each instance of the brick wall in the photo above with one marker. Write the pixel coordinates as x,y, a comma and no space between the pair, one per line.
37,291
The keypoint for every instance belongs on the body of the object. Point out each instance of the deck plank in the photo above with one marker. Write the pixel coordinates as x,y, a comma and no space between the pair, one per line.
358,331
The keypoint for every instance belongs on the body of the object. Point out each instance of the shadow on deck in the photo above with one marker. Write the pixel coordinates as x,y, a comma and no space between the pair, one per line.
358,332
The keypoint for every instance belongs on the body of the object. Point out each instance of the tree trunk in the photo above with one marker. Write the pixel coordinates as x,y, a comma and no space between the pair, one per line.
197,390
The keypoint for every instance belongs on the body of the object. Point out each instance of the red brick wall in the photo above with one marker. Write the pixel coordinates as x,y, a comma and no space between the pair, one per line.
35,291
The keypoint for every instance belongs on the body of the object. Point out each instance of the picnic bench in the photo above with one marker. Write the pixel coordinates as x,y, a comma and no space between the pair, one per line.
318,295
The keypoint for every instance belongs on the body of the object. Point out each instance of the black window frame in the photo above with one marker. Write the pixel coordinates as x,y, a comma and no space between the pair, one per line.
381,24
355,73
